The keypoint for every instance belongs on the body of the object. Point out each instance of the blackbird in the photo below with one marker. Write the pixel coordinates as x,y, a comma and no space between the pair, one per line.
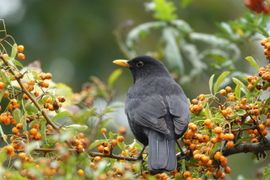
157,111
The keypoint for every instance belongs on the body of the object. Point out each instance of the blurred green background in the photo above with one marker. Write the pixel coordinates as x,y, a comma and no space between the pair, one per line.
75,39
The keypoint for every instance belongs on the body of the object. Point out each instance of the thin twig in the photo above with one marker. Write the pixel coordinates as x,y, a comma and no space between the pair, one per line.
93,154
18,79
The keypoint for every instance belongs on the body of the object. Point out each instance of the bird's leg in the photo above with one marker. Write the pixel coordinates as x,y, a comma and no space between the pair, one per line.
182,152
141,157
141,153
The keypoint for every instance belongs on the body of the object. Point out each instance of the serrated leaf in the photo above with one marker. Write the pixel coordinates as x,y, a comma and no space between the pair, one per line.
17,114
61,115
252,62
220,80
114,76
211,82
242,86
14,51
96,143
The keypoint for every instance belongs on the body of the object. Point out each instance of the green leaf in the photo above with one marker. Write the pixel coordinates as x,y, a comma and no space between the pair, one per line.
31,109
4,137
171,52
17,114
164,10
17,63
61,115
252,62
4,77
114,76
14,51
121,145
237,91
77,127
211,81
43,126
96,143
241,112
242,86
220,80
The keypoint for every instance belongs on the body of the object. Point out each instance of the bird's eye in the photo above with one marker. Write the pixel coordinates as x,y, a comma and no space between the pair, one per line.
139,64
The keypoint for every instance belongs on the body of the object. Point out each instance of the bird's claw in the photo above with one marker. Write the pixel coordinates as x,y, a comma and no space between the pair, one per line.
260,154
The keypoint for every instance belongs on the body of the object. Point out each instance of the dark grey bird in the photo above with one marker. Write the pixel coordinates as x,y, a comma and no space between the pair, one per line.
157,111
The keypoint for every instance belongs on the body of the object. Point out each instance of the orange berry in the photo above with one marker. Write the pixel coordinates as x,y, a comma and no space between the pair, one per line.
207,122
37,136
230,144
122,130
218,130
20,48
192,126
114,142
80,172
120,138
228,89
9,150
107,150
15,130
100,148
223,92
33,131
217,155
19,126
21,56
103,130
97,158
214,140
2,85
187,174
205,159
194,101
227,170
61,99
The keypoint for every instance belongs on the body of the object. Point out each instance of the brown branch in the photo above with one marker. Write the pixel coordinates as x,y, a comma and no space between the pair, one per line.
18,79
249,147
93,154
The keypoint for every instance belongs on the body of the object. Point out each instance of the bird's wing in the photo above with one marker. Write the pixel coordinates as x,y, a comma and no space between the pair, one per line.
148,111
179,108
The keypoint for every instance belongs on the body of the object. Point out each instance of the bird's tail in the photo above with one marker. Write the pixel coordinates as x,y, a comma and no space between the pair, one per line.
162,153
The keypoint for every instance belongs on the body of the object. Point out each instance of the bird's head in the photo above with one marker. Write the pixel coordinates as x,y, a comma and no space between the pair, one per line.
143,67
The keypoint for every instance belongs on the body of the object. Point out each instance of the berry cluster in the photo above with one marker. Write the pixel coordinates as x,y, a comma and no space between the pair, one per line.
266,44
79,142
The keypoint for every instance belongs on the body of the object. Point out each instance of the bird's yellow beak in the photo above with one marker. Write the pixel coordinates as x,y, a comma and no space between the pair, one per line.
121,62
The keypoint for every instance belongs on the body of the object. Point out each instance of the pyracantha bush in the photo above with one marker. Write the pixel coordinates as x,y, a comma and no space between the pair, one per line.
47,131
